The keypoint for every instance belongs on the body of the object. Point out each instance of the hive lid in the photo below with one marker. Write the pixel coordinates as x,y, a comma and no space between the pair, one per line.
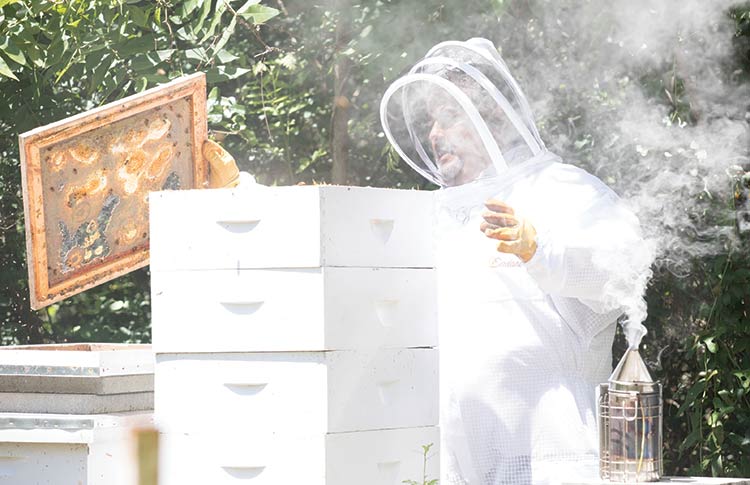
631,370
76,360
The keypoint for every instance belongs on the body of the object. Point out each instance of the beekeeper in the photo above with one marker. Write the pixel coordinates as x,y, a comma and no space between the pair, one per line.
534,260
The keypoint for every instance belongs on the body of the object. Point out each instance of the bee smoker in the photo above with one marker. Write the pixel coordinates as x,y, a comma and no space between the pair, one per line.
630,423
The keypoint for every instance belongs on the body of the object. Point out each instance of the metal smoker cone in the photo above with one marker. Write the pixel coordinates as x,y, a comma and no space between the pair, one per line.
631,373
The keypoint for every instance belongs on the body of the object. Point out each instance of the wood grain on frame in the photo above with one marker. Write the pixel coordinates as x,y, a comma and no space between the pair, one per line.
86,181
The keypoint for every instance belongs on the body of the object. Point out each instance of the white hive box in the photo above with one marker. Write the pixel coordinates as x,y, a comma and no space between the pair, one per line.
385,457
76,378
294,330
297,392
69,449
293,309
675,480
291,227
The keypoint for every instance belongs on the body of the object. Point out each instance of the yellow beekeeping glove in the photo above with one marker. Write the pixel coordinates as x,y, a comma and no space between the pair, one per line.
223,170
516,234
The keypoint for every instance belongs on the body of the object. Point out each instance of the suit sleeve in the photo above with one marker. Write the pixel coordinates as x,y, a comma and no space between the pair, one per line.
591,249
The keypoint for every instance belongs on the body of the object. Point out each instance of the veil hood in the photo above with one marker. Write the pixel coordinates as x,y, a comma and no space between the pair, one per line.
465,85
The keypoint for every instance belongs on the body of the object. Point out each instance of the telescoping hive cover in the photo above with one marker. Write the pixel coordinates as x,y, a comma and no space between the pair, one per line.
86,181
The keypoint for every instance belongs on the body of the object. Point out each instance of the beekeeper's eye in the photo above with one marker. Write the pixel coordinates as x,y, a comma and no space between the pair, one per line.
447,117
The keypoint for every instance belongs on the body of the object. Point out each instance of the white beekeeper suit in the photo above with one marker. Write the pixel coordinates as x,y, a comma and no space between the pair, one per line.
522,344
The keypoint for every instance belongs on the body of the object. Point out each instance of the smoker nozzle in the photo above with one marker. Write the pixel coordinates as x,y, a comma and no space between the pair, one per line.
631,373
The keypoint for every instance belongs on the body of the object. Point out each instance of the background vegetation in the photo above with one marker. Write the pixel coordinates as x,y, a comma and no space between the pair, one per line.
293,93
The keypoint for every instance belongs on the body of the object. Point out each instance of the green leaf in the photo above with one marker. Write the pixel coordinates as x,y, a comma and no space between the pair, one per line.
228,31
738,439
37,6
717,468
156,78
691,439
718,433
259,14
190,5
111,83
247,5
226,57
36,56
62,71
141,85
28,43
205,10
5,70
8,2
143,62
697,388
187,33
712,346
11,50
139,16
198,54
136,45
215,118
744,377
57,50
220,9
224,73
99,72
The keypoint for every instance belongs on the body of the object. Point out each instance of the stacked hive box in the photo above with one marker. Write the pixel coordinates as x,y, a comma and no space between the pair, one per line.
295,332
68,412
96,449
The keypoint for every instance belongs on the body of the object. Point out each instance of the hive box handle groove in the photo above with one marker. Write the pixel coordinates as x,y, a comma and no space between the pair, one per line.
242,307
386,310
240,225
246,388
243,472
388,472
383,228
386,388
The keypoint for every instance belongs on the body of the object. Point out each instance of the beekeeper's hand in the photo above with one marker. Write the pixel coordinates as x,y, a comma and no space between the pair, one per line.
223,170
516,234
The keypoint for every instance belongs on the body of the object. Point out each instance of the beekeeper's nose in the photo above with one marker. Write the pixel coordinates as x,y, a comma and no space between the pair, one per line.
436,136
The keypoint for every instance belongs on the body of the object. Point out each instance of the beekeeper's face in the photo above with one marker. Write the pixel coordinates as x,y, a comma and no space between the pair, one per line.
456,146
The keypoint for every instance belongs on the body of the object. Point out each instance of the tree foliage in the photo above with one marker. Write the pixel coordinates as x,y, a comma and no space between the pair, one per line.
705,365
707,374
64,57
276,78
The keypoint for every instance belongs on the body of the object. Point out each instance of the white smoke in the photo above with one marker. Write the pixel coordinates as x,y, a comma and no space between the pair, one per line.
645,96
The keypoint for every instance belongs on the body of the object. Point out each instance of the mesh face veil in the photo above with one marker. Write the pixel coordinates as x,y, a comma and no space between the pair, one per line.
459,116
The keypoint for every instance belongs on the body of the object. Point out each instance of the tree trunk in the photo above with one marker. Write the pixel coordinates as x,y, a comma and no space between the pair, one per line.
341,103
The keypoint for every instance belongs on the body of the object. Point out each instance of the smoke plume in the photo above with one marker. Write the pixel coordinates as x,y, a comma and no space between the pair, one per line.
645,96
